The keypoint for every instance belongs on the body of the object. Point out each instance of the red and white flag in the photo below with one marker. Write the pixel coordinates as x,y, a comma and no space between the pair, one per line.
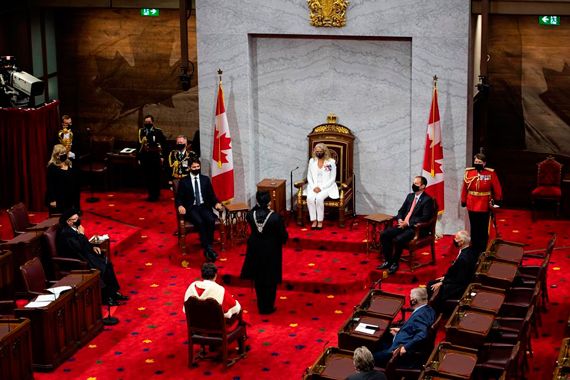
222,158
433,156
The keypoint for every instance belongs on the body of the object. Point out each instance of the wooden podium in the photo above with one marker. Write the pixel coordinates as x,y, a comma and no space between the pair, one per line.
276,189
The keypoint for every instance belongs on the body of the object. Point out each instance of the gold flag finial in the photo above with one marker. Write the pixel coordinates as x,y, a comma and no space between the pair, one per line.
220,72
331,118
435,78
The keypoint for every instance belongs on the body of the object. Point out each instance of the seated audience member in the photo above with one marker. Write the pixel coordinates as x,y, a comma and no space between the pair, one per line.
208,288
195,199
364,365
62,182
414,331
453,284
417,208
72,242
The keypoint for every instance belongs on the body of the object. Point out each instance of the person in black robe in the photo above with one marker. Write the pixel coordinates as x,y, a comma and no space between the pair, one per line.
458,276
62,182
151,143
263,259
72,242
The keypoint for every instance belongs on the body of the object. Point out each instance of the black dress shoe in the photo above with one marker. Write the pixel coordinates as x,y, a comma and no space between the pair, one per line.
211,255
393,269
384,265
120,297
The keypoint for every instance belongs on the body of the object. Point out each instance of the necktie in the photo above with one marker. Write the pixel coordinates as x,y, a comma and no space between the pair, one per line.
197,197
407,219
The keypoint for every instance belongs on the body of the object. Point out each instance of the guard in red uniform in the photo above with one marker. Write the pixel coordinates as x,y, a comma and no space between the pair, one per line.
481,190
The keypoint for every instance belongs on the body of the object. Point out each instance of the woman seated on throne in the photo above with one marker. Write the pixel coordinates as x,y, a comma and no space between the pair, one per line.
321,183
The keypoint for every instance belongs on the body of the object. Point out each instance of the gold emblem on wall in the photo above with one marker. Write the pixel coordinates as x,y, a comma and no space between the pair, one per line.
328,12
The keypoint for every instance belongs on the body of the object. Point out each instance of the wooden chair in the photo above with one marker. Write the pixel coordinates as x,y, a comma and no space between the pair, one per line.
95,163
60,266
19,218
34,277
208,326
499,359
340,140
184,227
424,237
548,180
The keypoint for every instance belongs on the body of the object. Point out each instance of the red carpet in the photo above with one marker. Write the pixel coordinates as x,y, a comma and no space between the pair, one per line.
325,275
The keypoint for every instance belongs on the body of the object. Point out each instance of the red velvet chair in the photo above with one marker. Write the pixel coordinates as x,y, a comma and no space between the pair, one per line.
19,218
548,182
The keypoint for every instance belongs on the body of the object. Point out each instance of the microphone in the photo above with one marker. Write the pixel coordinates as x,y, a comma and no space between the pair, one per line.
377,284
291,188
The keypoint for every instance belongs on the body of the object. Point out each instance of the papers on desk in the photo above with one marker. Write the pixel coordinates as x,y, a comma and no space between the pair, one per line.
366,328
45,299
58,290
96,239
37,304
127,150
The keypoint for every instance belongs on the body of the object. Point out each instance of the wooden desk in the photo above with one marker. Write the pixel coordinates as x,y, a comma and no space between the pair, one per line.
276,189
375,224
468,327
15,349
349,339
334,363
53,331
43,225
124,170
382,304
498,274
483,298
86,303
507,251
235,223
6,275
24,247
454,361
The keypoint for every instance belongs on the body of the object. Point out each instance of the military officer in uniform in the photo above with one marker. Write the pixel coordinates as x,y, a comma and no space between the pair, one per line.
180,158
481,191
151,141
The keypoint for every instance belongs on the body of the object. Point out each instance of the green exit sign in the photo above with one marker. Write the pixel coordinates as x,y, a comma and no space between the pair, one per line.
150,12
549,20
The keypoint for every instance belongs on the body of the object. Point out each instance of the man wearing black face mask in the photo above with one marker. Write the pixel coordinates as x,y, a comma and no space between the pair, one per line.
195,199
458,275
180,158
481,187
417,208
151,141
72,242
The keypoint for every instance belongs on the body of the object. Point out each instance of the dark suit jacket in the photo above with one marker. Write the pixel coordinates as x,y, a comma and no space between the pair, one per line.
423,211
370,375
415,330
185,194
458,275
71,243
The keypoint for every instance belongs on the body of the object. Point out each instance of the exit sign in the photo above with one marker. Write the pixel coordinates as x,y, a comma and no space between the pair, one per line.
549,20
150,12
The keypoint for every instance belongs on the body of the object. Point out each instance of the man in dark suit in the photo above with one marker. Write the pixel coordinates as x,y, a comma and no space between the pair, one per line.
195,199
453,284
151,142
72,242
417,208
413,332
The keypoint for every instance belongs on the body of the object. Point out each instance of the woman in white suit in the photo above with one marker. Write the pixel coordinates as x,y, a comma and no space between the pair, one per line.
321,183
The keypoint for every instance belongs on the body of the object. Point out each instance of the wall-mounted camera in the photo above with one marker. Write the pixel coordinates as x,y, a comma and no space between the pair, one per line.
17,87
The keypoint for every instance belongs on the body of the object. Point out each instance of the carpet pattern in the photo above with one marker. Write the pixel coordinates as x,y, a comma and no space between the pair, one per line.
325,275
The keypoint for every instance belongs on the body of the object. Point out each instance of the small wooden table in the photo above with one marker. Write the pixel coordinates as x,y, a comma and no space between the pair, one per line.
381,303
334,363
276,189
484,298
349,338
446,359
375,224
235,223
468,327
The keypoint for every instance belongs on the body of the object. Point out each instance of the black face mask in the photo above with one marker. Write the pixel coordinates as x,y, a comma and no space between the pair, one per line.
77,223
180,146
320,155
195,171
479,167
456,244
148,125
63,157
413,302
415,188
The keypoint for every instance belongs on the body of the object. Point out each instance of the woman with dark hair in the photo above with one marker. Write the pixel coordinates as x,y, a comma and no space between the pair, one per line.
263,259
62,182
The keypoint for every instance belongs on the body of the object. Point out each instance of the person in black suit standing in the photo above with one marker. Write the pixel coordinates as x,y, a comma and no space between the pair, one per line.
263,258
151,142
453,284
195,199
417,208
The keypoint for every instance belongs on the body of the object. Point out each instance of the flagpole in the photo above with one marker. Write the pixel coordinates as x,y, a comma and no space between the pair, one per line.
434,92
220,88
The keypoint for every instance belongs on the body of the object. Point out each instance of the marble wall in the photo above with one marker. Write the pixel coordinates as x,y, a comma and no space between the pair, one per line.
283,76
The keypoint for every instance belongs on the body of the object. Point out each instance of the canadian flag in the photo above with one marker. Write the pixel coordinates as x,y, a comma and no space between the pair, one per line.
433,156
222,158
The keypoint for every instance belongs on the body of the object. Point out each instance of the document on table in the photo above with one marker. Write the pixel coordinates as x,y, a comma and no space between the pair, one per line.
45,297
366,328
58,290
37,304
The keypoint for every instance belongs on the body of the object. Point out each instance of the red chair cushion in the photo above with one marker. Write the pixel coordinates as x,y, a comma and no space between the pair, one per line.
549,173
547,192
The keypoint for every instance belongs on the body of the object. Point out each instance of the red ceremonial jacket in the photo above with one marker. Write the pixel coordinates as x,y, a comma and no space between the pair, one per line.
479,188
